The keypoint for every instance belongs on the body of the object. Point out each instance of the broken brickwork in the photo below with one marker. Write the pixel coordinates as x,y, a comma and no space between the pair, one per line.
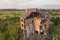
34,23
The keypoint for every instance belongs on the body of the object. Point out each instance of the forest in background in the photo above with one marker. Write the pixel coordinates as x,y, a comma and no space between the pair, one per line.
10,24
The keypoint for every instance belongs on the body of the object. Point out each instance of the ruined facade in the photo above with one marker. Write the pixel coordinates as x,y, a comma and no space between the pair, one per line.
34,24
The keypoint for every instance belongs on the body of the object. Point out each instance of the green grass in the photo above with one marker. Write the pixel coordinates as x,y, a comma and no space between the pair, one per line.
54,30
10,25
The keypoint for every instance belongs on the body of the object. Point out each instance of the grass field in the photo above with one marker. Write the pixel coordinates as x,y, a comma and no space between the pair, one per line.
10,25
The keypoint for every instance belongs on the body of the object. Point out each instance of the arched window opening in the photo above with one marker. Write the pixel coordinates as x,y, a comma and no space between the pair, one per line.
22,20
40,27
36,32
41,32
22,25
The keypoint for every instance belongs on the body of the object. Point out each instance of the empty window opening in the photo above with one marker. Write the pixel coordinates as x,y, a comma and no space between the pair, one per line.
22,30
41,32
36,32
40,27
31,15
22,20
43,21
34,14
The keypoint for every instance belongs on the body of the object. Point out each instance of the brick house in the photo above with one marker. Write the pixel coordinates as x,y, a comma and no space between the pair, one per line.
35,22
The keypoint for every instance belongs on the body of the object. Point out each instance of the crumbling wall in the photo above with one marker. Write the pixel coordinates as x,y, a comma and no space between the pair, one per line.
37,22
34,26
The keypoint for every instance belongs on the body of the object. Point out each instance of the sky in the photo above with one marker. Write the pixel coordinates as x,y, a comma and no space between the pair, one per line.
23,4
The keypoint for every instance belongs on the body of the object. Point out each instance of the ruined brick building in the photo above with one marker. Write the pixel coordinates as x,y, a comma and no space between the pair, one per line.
35,24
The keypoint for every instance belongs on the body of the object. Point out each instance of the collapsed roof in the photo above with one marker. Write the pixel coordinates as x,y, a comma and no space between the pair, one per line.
34,11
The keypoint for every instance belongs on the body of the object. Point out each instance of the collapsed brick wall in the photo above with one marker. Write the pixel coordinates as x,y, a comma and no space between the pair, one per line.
33,25
37,22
